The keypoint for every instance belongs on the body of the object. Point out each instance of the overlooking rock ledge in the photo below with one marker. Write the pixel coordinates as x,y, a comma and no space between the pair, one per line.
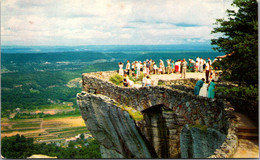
171,121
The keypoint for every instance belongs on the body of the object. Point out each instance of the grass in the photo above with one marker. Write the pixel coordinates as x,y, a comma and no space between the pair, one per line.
56,126
135,114
117,79
73,133
19,121
25,125
53,106
160,83
19,130
66,129
60,116
201,127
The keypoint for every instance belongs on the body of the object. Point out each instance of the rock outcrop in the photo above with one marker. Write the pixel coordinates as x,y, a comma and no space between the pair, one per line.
112,127
166,110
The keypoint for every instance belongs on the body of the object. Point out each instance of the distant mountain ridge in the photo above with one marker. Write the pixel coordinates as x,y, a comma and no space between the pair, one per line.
105,48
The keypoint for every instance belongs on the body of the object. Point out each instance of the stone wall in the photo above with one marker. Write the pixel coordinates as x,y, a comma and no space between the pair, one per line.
193,108
166,110
186,85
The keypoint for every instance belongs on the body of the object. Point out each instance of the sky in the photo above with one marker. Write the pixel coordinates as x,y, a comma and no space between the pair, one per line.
109,22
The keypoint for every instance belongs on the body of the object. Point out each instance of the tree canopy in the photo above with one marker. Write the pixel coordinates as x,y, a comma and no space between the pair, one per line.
239,41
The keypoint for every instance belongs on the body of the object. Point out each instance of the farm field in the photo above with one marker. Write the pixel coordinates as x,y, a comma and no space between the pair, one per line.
44,128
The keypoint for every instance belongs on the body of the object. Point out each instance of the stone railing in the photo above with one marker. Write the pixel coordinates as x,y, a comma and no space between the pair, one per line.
186,85
193,108
102,75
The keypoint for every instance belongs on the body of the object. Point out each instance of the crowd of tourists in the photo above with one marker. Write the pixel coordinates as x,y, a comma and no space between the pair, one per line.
180,66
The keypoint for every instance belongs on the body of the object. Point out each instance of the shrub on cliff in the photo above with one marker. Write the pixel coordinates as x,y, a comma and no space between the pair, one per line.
140,78
117,79
250,92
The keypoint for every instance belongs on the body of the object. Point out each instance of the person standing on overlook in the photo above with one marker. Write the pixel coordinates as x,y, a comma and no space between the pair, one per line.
148,67
207,68
127,67
141,66
168,70
138,68
152,65
181,66
155,68
197,59
211,89
192,65
184,69
121,71
201,65
160,67
172,66
204,64
209,60
198,85
163,67
133,69
197,66
176,66
144,68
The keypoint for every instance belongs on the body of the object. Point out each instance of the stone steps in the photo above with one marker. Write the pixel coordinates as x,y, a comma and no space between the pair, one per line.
249,136
246,128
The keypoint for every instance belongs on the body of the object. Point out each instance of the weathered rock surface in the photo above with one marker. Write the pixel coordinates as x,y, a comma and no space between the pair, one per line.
112,127
197,143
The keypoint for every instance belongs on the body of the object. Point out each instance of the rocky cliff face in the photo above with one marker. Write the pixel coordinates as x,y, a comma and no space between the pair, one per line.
198,143
163,131
112,127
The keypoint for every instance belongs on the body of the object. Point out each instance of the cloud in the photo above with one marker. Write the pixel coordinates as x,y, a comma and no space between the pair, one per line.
84,22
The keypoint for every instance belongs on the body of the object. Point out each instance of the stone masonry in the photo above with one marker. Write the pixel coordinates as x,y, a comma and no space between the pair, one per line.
166,109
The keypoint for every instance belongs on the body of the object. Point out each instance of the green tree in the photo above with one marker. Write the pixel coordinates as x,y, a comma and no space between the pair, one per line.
239,40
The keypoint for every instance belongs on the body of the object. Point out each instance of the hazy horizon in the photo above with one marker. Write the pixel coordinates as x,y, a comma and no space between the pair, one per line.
106,48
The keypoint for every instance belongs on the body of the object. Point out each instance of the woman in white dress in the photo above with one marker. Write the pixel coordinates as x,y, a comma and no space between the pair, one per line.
161,68
155,68
121,71
203,90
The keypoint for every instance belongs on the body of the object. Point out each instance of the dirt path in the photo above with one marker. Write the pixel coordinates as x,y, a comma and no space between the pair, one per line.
246,149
